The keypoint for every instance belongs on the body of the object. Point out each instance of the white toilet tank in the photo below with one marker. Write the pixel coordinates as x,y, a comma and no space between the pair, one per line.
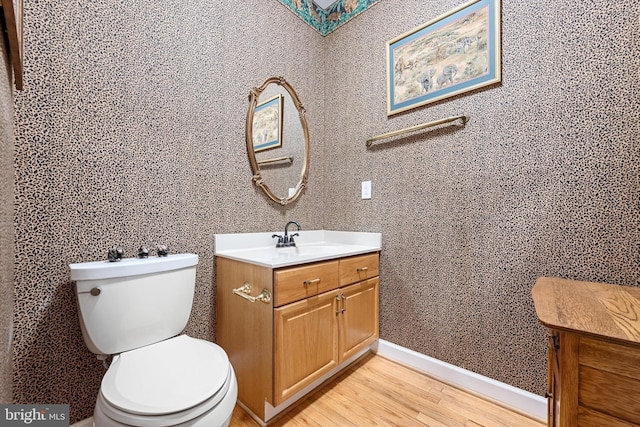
135,302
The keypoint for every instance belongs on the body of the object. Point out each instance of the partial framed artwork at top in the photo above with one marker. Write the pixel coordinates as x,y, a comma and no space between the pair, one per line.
452,54
267,124
12,10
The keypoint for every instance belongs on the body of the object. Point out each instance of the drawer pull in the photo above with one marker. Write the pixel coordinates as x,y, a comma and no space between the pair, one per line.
360,269
244,291
312,281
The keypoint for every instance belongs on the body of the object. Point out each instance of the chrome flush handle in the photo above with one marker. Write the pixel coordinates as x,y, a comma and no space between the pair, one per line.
94,291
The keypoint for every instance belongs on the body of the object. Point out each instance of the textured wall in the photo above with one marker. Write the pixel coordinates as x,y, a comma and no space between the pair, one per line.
131,130
6,224
543,180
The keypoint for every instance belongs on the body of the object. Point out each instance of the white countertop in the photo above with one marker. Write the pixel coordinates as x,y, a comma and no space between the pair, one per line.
311,246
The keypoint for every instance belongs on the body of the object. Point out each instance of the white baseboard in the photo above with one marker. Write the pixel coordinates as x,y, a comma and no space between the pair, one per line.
84,423
521,400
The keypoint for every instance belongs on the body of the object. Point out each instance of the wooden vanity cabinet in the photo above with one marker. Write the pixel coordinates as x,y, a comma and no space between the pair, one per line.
321,314
594,352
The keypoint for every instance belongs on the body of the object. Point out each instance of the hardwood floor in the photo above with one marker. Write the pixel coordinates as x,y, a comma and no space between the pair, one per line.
378,392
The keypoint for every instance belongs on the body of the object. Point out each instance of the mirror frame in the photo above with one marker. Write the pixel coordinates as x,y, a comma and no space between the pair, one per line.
257,179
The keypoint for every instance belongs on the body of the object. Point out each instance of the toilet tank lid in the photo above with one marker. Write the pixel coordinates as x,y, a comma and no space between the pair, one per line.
97,270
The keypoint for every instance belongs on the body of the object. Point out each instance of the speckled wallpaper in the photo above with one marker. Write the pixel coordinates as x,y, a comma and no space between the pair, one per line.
544,180
131,131
6,225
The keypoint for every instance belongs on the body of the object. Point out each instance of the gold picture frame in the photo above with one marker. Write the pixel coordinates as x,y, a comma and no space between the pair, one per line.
267,124
455,53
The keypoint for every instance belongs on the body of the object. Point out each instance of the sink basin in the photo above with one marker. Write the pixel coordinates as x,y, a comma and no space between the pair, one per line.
310,249
311,246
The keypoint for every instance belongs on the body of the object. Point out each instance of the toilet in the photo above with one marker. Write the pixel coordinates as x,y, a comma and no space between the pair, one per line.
135,311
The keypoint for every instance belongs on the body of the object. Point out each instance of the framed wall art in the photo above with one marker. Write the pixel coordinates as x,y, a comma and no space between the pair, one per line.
267,124
452,54
12,10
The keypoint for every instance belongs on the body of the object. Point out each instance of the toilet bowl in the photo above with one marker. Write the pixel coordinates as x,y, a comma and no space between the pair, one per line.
135,311
182,381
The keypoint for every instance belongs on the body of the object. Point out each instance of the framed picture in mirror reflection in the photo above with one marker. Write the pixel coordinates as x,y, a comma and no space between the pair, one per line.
267,124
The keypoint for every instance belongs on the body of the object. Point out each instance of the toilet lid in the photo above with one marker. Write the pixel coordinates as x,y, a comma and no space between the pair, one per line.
166,377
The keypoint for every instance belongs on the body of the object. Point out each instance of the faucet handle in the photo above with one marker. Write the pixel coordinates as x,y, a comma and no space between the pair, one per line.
115,254
143,252
280,243
291,241
162,250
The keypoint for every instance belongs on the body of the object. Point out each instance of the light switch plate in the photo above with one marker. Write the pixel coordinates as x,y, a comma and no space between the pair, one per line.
366,189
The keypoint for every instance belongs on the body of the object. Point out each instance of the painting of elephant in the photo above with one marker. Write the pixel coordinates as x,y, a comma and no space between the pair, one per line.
455,53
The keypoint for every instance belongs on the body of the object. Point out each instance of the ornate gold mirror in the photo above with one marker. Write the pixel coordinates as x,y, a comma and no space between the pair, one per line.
278,140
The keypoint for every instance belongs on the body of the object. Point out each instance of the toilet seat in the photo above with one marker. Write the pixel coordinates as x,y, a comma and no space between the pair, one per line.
166,383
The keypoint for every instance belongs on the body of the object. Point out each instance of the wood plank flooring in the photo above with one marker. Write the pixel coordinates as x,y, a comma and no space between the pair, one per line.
378,392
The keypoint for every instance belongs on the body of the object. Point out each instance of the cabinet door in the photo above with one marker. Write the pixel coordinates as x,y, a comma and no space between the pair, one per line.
306,343
358,318
553,387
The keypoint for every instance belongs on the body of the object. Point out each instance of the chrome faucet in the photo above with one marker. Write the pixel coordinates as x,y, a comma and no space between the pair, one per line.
287,240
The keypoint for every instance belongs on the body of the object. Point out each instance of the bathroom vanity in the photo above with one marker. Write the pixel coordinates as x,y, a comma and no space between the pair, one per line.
594,352
290,318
